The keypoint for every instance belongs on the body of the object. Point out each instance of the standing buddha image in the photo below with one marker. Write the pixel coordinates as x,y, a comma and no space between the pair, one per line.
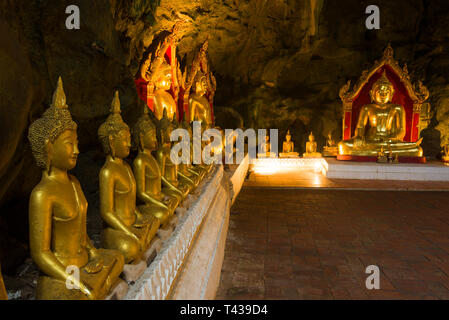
57,214
128,229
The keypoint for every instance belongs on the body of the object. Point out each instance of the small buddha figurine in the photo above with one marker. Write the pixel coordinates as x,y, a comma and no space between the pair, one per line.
199,106
446,153
381,156
169,170
311,147
288,147
265,151
163,100
331,149
161,202
127,228
57,214
3,293
387,126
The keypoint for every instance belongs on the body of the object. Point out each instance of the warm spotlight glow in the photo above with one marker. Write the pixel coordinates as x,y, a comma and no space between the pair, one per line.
269,166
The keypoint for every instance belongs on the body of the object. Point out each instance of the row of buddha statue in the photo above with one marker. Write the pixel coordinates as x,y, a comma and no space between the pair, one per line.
135,201
381,125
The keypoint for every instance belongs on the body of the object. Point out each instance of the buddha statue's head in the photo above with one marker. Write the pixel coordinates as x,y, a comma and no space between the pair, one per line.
164,130
382,90
311,137
53,137
144,132
114,133
164,77
288,137
200,84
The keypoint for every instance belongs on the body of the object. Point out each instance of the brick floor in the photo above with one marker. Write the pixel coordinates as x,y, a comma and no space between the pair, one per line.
316,244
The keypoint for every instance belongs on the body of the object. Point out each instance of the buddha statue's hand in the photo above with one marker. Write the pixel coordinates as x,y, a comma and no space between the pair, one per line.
94,266
84,288
358,142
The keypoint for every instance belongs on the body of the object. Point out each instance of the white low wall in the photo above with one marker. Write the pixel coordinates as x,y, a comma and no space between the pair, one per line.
188,266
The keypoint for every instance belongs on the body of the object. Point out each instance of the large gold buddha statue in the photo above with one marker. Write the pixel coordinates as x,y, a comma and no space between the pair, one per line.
3,293
380,124
161,202
169,170
288,147
57,214
163,100
127,228
199,106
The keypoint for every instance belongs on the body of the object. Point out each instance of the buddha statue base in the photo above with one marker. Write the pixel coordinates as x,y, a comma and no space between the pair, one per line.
402,149
289,155
312,155
266,155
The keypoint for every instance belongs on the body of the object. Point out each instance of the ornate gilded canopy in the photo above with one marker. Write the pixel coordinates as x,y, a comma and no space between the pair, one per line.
410,96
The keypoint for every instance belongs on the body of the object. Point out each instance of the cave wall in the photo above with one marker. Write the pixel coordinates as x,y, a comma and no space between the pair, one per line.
278,64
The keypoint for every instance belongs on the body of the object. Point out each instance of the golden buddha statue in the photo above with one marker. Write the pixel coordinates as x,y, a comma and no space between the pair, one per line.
288,147
331,149
57,214
163,100
185,169
169,170
3,293
311,147
445,157
161,202
380,124
198,170
128,229
199,106
265,147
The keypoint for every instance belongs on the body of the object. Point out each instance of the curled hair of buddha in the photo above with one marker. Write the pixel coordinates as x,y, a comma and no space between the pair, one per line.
113,124
55,120
383,81
142,126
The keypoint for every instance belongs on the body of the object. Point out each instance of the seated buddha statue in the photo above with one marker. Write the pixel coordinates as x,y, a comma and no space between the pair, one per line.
331,149
311,147
185,169
160,202
57,214
169,170
127,228
194,169
288,147
445,157
265,149
199,106
163,100
380,124
3,293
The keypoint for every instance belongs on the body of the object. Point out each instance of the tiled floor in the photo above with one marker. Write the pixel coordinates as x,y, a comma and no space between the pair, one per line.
316,244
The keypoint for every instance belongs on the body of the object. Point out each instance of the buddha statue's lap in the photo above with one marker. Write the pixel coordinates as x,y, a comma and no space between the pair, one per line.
128,229
381,124
58,208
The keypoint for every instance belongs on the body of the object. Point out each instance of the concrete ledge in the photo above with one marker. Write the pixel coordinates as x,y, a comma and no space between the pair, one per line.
432,171
237,178
163,275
